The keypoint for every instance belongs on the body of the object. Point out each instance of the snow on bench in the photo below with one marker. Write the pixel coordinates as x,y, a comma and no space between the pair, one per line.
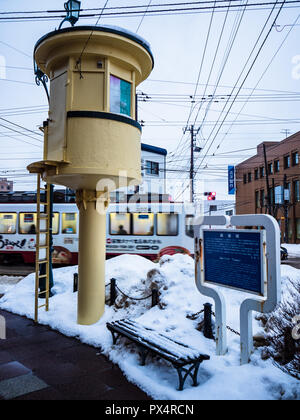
151,341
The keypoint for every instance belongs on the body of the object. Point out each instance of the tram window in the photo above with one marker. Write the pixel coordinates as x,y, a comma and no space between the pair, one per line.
189,226
143,224
167,224
27,223
69,223
119,224
8,223
55,223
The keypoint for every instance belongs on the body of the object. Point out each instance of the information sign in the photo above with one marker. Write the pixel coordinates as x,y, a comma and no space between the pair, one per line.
234,258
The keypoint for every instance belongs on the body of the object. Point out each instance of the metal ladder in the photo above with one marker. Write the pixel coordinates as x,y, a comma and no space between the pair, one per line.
42,247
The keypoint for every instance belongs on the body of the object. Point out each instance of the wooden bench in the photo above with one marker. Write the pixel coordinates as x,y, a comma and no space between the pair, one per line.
185,359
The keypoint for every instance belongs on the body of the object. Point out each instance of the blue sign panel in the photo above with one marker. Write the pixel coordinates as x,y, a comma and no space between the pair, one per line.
231,180
234,259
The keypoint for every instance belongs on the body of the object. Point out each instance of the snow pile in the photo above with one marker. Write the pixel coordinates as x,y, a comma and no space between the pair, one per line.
7,282
282,347
219,378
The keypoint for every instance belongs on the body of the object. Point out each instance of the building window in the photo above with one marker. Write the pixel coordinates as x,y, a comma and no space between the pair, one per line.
245,178
262,171
120,96
277,166
270,168
272,196
257,200
256,174
262,198
249,177
295,158
290,229
287,161
296,191
152,168
298,228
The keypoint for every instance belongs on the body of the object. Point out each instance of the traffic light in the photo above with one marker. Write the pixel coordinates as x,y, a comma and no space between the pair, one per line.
211,196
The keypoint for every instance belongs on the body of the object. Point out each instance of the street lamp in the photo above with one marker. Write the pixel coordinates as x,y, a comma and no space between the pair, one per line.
73,10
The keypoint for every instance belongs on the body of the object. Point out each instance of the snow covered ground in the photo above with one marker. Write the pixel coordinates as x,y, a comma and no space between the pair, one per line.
220,378
7,282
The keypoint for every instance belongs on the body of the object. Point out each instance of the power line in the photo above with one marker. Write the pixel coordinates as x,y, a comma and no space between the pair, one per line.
158,12
247,74
22,127
15,49
263,74
143,17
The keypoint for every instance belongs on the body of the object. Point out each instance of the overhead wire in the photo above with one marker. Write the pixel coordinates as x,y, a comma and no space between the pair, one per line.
246,77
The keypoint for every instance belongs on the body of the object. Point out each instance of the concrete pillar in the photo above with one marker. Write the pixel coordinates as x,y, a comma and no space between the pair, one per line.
92,243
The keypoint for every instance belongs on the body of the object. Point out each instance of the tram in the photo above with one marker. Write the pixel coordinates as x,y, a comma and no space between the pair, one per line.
147,229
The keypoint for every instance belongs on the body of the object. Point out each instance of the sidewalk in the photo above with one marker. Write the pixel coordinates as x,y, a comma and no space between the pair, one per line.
37,363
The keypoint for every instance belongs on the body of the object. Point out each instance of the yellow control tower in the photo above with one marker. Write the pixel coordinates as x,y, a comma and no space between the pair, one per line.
92,140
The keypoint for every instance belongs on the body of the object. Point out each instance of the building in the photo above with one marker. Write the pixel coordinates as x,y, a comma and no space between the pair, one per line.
6,186
219,208
269,183
153,167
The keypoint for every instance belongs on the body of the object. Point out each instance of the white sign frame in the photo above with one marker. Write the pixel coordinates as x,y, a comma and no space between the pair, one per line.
262,305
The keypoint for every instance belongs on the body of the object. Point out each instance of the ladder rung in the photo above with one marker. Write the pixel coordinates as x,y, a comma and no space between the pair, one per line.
45,216
43,293
43,262
42,306
43,232
43,276
44,204
43,246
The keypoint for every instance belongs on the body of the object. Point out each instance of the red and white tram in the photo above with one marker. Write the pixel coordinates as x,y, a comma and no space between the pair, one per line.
149,230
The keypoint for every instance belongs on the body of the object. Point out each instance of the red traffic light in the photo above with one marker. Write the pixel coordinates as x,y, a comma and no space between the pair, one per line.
211,195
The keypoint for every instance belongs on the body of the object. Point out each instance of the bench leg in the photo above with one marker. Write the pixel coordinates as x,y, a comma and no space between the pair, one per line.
115,337
183,373
195,374
143,354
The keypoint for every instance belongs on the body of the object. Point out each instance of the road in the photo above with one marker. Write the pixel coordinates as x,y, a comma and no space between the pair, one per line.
16,270
25,269
293,261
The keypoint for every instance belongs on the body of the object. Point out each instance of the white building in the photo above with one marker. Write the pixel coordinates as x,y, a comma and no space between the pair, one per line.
219,208
153,166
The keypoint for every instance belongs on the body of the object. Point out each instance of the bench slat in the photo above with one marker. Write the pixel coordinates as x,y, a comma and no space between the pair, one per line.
185,351
167,356
146,342
177,352
166,343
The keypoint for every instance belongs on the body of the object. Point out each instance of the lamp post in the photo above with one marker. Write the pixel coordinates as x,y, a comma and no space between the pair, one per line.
73,10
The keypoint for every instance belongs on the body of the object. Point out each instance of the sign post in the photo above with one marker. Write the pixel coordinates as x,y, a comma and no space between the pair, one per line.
246,260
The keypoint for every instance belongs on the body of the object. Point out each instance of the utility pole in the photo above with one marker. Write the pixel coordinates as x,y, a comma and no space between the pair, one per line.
286,132
192,170
192,130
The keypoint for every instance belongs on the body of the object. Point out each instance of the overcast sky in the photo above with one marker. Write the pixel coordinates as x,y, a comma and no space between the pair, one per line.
178,44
